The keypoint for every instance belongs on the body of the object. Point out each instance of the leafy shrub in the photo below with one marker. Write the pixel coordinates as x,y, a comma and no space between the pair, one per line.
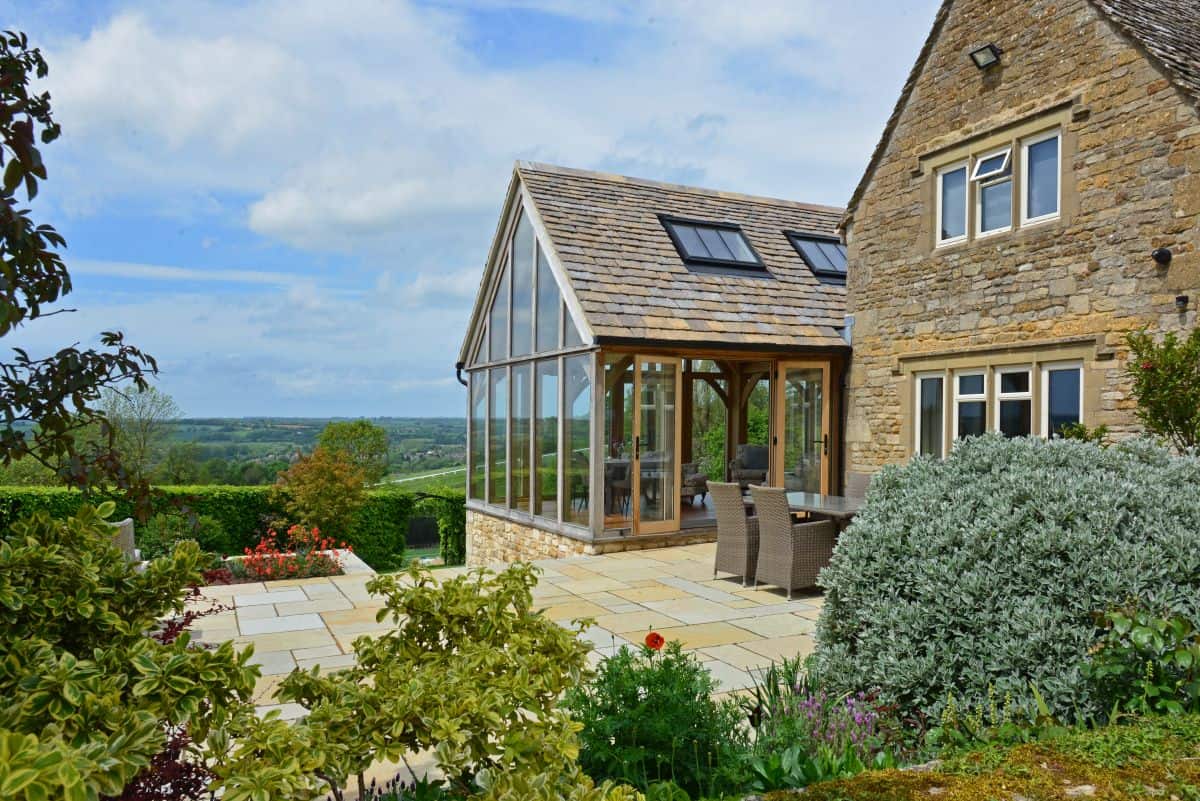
323,489
1147,663
994,722
984,569
472,673
88,697
379,531
1166,384
159,535
304,554
649,716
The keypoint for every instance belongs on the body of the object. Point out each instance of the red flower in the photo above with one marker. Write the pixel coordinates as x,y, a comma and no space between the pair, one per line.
1147,365
655,641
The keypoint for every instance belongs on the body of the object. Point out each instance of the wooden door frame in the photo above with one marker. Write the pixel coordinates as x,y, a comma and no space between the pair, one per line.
635,464
778,416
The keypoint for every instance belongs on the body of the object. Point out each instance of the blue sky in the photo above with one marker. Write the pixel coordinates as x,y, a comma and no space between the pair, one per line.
289,202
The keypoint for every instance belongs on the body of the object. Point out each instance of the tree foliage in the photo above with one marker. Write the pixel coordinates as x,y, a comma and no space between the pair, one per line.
323,489
56,392
141,423
364,443
1166,384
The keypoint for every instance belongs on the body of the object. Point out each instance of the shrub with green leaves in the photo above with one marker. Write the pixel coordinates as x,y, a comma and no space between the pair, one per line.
159,535
649,716
1166,384
470,672
984,569
86,696
1147,663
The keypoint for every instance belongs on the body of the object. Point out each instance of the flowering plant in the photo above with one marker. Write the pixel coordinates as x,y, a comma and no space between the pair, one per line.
655,641
304,554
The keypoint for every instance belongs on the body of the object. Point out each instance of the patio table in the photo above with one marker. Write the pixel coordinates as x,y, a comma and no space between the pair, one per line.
839,508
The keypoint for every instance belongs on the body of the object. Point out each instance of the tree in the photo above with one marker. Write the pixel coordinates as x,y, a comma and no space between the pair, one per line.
365,443
141,423
323,489
57,392
1166,384
180,464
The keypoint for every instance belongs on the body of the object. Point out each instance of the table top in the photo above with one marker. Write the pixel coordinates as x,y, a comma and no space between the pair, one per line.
815,502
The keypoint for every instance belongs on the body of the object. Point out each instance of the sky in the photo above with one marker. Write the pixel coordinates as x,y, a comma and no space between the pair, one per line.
289,202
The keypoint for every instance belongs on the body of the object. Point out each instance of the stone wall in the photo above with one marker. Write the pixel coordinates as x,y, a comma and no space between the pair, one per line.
493,540
1131,183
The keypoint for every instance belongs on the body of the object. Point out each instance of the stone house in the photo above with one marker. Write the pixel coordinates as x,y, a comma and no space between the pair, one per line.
1034,197
1003,239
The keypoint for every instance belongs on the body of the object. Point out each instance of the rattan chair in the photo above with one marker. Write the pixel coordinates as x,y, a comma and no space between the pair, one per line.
790,555
737,534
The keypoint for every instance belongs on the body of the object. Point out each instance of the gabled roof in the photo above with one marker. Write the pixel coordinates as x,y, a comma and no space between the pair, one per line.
631,283
1167,31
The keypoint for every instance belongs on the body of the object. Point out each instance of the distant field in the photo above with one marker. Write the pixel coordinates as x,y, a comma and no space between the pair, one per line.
430,480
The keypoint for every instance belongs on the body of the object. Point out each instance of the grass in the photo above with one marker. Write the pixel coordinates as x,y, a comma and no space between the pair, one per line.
1138,759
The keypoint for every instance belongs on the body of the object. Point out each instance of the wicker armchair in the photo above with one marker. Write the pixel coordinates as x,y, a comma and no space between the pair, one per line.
750,466
737,534
790,555
694,483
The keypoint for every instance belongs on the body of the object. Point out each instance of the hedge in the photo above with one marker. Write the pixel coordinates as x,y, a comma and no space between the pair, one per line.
378,536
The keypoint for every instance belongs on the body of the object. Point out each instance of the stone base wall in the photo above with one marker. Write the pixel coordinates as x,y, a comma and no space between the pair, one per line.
492,540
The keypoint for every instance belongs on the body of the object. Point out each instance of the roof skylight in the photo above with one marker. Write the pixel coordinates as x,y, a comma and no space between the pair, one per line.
824,255
711,244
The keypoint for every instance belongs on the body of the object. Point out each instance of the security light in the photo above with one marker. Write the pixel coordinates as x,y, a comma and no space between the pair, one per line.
1162,256
986,56
1181,303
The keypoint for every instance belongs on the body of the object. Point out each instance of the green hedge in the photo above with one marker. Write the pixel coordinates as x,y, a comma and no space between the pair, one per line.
378,536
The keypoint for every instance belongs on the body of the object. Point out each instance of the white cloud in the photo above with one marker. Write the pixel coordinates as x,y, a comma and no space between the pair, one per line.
164,272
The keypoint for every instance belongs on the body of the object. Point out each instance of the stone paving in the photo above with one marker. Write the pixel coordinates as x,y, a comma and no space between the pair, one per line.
734,630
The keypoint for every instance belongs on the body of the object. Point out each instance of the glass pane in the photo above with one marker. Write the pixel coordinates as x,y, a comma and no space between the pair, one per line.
737,246
692,245
1042,195
1014,382
815,256
954,203
803,431
1063,403
716,246
995,206
833,251
577,405
522,412
972,420
522,283
970,384
991,164
707,457
549,306
571,336
498,436
475,483
659,498
545,439
931,416
618,440
1015,417
498,321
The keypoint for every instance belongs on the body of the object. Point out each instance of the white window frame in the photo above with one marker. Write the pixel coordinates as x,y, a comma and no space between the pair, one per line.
991,179
918,378
1026,220
1047,368
965,166
1012,396
969,398
996,173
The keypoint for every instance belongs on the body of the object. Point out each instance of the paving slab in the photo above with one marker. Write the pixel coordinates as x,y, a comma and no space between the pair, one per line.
274,597
703,635
274,625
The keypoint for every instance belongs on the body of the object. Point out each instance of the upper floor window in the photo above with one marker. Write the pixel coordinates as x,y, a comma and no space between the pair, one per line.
975,197
711,244
824,255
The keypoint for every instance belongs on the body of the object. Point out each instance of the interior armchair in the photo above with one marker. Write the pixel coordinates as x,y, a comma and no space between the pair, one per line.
750,466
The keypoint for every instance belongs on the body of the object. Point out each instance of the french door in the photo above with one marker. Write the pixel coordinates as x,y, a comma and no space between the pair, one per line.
643,422
801,427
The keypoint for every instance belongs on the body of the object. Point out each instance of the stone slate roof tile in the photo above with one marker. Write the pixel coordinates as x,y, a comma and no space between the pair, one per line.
632,283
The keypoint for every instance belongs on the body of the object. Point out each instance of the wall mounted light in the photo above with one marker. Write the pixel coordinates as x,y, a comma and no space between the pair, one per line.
1181,303
986,56
1162,256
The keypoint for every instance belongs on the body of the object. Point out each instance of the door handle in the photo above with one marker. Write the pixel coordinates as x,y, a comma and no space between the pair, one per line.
637,447
824,443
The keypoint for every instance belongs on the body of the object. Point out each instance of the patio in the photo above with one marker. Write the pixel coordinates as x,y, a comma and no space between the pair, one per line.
732,629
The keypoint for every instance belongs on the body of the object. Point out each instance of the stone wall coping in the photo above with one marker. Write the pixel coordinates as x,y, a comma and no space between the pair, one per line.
1102,352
